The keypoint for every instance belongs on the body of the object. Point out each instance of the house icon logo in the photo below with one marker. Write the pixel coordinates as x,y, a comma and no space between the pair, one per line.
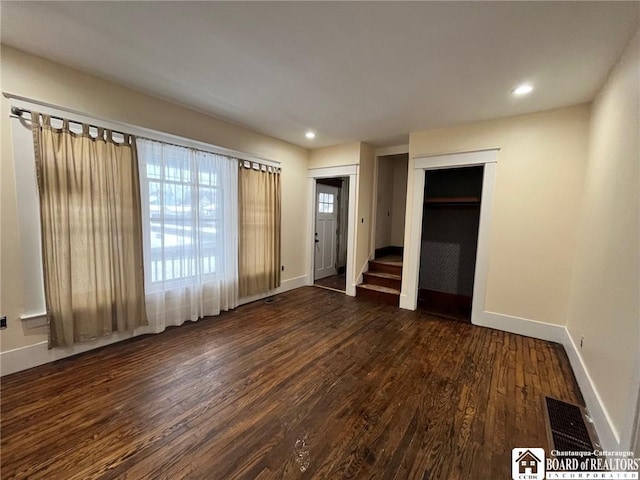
527,463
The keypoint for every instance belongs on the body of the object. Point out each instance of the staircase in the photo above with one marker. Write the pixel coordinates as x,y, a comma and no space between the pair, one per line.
382,281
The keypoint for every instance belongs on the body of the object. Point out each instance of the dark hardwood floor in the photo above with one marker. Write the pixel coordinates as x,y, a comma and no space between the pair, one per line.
337,282
315,385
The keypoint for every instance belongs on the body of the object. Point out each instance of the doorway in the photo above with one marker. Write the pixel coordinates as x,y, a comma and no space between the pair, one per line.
331,224
391,194
326,236
415,205
450,222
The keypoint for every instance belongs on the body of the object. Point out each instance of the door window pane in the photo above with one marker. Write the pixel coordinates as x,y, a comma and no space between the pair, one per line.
325,202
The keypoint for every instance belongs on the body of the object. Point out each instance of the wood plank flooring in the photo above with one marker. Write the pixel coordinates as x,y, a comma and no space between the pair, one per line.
315,385
337,282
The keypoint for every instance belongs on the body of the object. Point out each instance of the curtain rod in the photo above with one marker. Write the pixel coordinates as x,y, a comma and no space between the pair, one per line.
19,111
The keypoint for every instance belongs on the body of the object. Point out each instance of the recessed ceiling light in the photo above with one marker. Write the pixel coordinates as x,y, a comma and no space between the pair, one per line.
523,89
310,135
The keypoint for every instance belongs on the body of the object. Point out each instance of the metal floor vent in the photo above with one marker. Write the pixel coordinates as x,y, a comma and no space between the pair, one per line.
568,427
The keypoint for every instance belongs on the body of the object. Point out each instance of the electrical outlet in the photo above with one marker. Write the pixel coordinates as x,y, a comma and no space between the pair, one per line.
581,341
3,322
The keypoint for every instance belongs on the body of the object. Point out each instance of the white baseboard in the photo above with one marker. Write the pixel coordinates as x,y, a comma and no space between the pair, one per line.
520,326
285,286
607,433
363,270
609,437
350,289
31,356
406,302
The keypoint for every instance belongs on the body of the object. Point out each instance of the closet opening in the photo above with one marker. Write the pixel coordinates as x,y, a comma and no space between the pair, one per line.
450,223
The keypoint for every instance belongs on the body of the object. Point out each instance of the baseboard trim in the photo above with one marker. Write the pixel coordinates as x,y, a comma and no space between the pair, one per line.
607,433
360,279
30,356
406,302
285,286
23,358
520,326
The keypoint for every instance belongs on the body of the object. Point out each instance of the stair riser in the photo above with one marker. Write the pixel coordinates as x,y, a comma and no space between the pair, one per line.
390,298
383,281
385,268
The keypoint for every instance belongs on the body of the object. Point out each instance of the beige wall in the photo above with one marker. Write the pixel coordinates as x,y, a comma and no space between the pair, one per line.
391,193
338,156
365,207
39,79
399,202
384,201
363,155
605,290
540,176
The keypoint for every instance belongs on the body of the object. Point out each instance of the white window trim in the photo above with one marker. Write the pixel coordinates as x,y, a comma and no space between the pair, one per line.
28,209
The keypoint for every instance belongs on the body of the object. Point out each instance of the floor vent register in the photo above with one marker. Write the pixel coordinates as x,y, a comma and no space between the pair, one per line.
569,428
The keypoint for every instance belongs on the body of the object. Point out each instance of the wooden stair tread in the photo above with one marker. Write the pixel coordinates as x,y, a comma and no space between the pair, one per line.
386,262
384,275
379,288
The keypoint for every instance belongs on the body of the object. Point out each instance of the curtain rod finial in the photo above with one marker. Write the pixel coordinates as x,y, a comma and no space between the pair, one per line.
17,111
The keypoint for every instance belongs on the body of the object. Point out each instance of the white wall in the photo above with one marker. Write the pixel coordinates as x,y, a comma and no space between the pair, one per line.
605,288
40,79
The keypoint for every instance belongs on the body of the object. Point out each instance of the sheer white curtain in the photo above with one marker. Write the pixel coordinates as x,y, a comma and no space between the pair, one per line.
190,231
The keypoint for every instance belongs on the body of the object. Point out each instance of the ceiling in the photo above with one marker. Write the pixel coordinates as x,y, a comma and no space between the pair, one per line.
353,71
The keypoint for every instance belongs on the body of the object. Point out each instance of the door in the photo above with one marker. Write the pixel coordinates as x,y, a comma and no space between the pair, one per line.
326,237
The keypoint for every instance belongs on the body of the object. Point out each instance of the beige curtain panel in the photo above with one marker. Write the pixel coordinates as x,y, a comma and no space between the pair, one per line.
91,232
259,229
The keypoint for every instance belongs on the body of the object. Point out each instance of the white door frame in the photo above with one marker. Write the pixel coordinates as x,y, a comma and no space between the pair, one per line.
411,270
313,174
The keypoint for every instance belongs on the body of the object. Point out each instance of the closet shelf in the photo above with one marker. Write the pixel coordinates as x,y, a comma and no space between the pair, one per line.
445,201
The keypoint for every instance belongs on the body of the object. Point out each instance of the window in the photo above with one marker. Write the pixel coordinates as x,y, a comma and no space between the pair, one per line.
325,202
189,203
183,192
190,232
